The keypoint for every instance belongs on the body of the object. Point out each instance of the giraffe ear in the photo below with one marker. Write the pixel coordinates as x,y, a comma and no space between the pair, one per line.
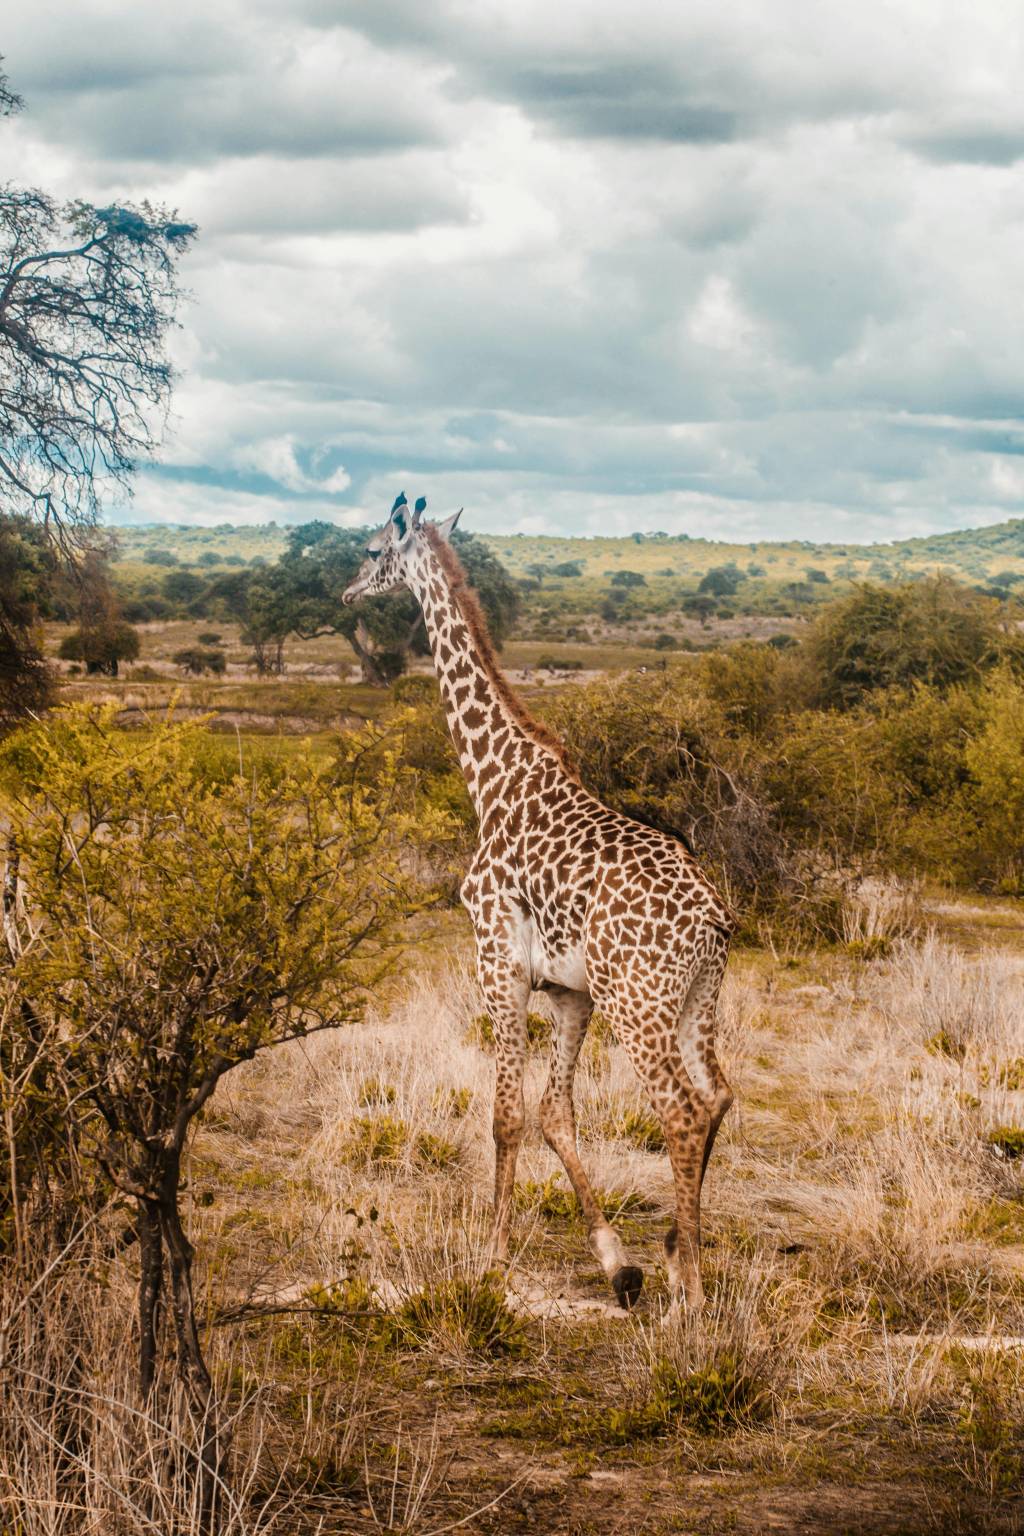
403,524
447,528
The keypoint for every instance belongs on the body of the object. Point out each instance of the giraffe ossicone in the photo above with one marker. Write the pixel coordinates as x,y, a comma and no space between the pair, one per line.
573,898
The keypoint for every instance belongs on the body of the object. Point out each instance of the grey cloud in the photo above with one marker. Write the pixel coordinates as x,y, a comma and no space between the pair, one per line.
977,144
261,196
674,74
658,266
158,121
191,85
615,100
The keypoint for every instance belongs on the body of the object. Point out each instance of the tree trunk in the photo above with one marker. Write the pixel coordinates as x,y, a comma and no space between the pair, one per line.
150,1283
362,645
192,1368
191,1364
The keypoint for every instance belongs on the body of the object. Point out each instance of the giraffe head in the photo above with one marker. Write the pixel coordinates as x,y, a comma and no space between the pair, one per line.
391,550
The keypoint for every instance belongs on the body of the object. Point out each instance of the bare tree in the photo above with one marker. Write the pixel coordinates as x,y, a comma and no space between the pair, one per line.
87,299
9,101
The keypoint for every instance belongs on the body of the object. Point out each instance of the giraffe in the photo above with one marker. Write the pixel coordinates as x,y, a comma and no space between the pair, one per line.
569,897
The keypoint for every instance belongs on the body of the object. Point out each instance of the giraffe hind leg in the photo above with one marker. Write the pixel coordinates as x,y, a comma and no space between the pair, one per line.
697,1040
650,1039
558,1123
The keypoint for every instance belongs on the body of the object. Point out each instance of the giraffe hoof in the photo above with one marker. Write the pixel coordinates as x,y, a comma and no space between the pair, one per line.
627,1283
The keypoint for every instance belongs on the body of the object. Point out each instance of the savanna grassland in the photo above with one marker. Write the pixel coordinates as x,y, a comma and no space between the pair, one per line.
851,771
859,1366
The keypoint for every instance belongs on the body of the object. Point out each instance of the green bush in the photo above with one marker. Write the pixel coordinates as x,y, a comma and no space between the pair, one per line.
640,1127
435,1152
453,1102
1007,1141
1011,1075
196,660
934,631
102,646
373,1094
467,1314
725,1394
375,1141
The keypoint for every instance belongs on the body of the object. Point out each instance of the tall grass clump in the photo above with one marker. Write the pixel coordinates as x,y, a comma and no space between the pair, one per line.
721,1369
78,1449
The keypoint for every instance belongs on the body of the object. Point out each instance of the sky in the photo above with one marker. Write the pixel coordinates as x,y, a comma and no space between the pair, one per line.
732,269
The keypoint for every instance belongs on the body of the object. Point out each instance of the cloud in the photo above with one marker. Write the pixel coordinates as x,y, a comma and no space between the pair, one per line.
968,143
277,459
262,196
742,270
192,83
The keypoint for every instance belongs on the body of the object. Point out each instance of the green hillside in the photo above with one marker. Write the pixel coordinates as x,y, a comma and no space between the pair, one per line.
639,576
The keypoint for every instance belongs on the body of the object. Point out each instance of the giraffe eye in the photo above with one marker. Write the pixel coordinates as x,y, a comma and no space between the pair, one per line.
374,554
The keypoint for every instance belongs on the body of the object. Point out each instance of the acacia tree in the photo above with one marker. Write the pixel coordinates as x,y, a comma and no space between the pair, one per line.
86,593
179,918
263,605
321,561
87,298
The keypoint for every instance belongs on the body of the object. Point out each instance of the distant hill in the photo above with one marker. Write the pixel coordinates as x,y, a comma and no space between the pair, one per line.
641,574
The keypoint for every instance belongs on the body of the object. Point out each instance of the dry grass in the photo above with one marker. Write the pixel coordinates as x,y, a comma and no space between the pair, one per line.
863,1232
78,1452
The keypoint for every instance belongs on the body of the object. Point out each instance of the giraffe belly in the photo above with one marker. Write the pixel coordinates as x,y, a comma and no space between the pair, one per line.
567,968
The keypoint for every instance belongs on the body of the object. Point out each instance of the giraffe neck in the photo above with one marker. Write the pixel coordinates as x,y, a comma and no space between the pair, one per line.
494,746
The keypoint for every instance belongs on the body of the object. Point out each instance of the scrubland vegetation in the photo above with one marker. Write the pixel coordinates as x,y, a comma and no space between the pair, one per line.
858,791
858,1366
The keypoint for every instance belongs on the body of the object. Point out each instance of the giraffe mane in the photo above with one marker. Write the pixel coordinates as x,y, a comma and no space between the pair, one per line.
468,604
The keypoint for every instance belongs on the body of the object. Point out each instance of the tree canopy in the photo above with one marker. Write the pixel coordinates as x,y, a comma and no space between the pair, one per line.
934,631
173,914
26,575
302,595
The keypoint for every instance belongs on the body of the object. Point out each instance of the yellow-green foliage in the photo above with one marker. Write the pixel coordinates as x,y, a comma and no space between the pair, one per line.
245,906
549,1197
944,1043
776,793
995,759
991,1397
724,1394
373,1094
640,1127
552,1200
1007,1141
538,1030
1011,1074
453,1102
435,1152
375,1141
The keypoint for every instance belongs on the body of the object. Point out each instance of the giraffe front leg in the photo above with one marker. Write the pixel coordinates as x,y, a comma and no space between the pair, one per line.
506,993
